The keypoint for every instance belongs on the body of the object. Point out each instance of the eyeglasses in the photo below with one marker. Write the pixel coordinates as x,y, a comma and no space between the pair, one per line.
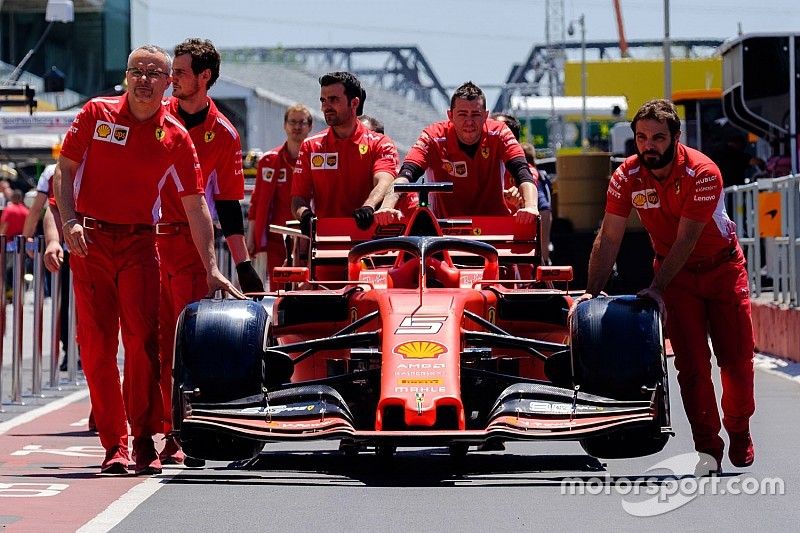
150,74
297,122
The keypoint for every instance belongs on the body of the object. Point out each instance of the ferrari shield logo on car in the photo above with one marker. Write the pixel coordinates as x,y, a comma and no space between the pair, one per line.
420,349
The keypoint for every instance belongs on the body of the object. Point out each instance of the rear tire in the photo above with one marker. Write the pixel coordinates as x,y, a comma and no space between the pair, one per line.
618,352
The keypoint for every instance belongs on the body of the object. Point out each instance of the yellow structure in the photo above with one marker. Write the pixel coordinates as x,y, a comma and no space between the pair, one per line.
640,80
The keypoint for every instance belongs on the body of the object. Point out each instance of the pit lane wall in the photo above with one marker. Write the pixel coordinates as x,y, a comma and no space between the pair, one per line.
767,216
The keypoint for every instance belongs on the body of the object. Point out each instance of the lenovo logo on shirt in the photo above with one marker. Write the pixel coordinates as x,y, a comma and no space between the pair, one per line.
646,199
324,161
110,132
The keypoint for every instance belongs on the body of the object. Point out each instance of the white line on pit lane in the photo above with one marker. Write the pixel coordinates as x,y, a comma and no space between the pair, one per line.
125,504
43,410
780,367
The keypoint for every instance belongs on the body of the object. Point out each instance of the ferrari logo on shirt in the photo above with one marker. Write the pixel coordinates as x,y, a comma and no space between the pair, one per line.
363,149
267,173
325,161
646,199
677,186
110,132
485,152
160,134
208,136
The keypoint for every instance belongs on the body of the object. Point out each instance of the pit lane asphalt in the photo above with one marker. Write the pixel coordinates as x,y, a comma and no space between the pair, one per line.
313,487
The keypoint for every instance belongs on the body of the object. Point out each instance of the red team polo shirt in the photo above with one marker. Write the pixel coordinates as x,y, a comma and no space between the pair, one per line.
272,199
337,173
124,163
220,153
477,181
692,190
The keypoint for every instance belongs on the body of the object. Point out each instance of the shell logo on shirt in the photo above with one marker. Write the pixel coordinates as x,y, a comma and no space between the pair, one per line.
103,130
110,132
325,161
267,173
457,168
646,199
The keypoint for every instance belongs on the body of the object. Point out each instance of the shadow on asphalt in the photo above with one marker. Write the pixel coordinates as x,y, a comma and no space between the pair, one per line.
428,468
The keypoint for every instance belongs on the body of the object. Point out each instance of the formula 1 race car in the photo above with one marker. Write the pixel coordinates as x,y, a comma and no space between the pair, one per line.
420,334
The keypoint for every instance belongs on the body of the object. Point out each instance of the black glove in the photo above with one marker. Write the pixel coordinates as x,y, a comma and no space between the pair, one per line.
248,278
305,222
363,216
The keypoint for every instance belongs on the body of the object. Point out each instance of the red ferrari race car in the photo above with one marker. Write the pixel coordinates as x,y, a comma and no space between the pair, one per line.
419,335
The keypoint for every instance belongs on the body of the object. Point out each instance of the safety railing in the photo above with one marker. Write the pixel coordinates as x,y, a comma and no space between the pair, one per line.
772,254
28,299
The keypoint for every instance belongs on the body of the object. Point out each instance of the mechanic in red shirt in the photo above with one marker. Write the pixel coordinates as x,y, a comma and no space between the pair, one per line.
114,163
472,151
700,277
195,68
345,169
271,202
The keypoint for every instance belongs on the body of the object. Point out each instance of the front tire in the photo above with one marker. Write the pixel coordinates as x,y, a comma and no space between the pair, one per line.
618,352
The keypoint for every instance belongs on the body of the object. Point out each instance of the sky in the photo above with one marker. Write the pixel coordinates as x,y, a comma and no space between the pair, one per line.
462,40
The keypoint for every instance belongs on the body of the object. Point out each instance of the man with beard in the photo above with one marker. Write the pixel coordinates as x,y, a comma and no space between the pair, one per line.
219,150
700,282
112,169
346,169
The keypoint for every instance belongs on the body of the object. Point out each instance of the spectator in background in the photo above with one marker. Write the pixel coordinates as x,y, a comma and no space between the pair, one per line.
12,221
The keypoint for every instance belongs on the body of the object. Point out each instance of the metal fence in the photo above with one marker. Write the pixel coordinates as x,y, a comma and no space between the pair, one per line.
772,256
28,294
